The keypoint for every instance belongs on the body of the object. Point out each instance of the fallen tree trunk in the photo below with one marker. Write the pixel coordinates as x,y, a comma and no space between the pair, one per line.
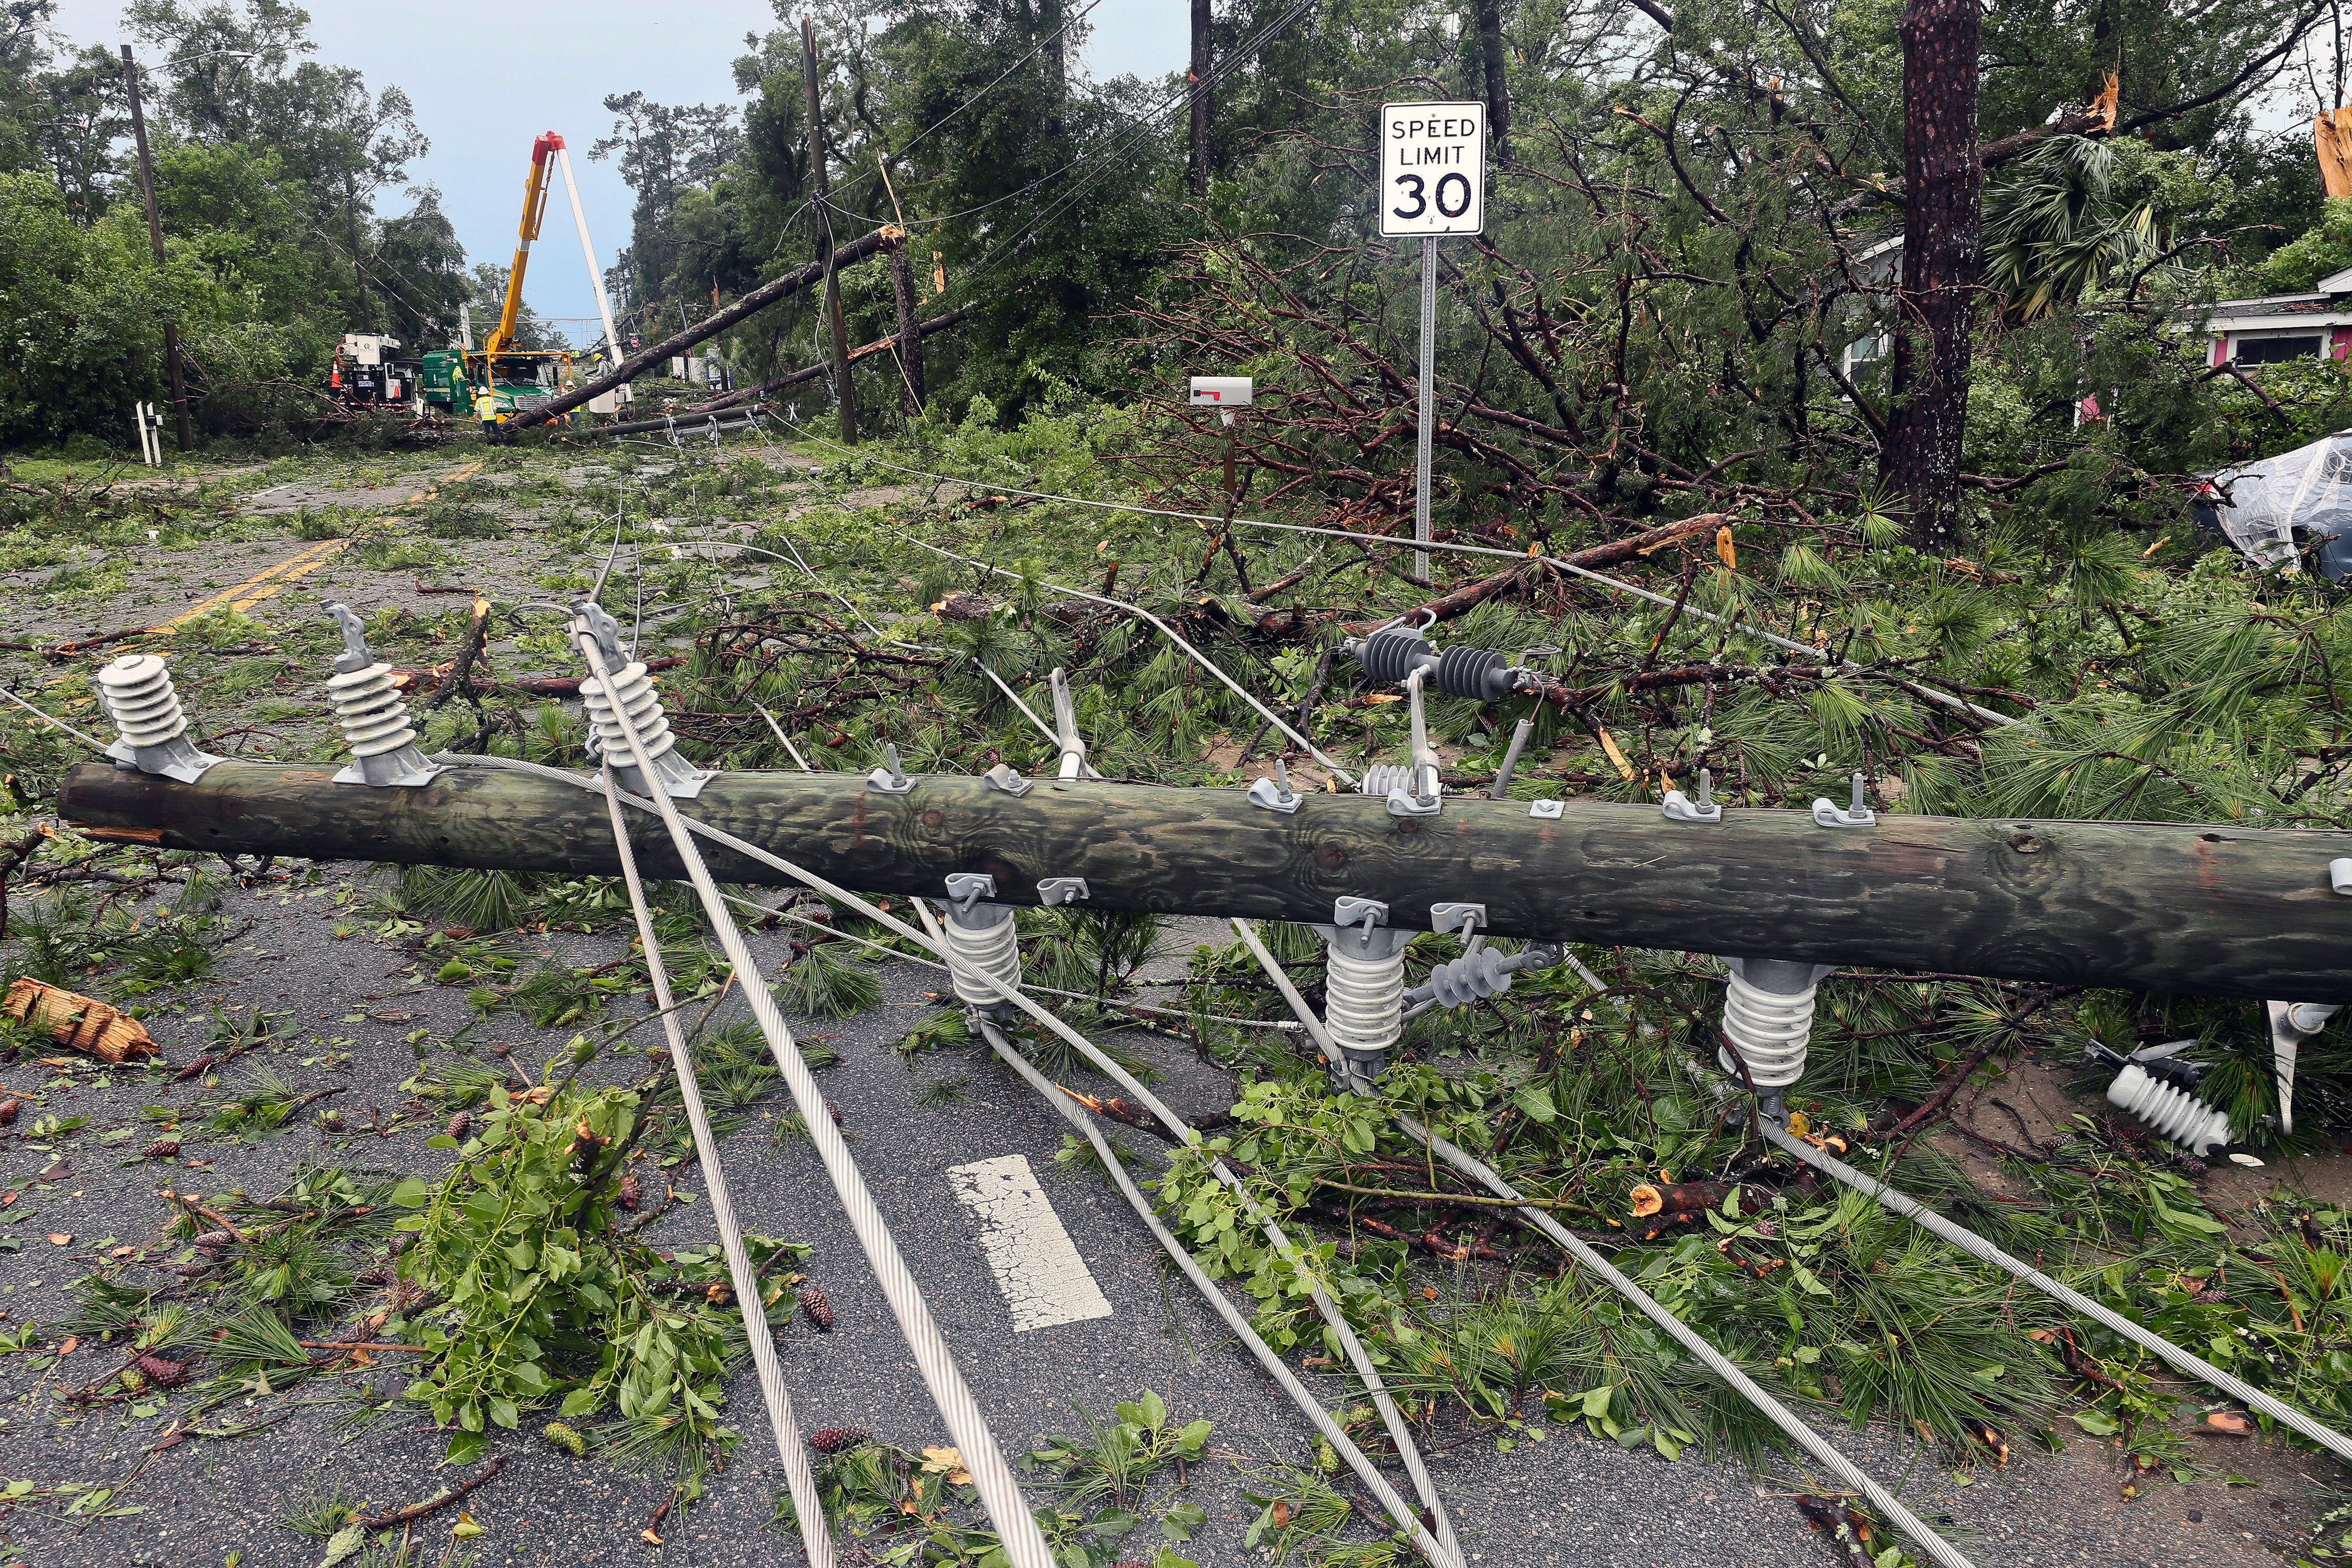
2217,911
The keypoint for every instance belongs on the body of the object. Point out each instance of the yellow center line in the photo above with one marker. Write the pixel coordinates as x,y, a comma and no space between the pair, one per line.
278,578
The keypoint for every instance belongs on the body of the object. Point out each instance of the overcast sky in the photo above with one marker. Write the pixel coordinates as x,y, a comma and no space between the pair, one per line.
487,78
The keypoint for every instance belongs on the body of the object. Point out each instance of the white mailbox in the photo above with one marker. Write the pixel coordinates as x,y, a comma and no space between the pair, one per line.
1221,391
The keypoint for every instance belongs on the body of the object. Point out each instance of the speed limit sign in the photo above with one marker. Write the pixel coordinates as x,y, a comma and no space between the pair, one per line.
1432,169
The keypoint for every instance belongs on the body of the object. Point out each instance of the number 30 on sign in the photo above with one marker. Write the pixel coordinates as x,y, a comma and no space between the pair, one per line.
1432,169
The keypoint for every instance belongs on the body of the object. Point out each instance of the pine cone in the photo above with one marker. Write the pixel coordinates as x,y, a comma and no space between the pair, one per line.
458,1125
217,1241
833,1111
631,1193
162,1149
191,1270
820,1310
834,1439
8,1110
163,1374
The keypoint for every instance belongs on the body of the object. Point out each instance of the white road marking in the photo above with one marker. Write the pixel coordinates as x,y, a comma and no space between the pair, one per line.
1044,1279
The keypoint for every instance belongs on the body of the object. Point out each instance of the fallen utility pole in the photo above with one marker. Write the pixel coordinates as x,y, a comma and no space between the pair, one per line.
2213,910
711,326
815,372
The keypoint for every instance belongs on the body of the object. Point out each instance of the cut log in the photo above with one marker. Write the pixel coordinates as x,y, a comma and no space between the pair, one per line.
2215,911
82,1023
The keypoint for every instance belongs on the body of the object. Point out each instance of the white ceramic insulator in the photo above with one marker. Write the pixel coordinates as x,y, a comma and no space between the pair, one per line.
139,696
1382,777
2169,1109
1364,1001
994,950
633,689
374,715
1771,1029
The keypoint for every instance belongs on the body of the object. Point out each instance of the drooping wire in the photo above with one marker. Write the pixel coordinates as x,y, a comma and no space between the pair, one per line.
1887,1502
52,719
800,1481
1024,1542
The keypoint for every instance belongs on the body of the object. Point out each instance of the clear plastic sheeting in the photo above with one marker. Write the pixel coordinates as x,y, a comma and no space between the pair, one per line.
2274,508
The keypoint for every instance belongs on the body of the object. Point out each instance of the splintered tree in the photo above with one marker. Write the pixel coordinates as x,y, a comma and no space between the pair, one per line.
1935,299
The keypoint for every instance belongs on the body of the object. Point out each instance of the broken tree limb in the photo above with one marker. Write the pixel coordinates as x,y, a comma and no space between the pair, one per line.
711,326
2216,910
1470,595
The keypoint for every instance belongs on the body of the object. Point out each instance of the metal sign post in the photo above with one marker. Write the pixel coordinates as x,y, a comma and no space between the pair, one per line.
1432,183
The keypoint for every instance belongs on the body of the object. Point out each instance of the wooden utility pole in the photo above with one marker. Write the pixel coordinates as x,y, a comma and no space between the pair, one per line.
799,279
910,326
1935,303
2219,911
1196,167
155,238
359,276
821,190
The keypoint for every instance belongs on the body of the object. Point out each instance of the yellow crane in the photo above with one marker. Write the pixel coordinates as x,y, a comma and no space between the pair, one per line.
502,376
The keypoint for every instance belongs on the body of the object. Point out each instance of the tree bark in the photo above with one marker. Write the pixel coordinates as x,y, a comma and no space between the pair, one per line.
1935,296
2216,910
910,328
1494,56
1196,167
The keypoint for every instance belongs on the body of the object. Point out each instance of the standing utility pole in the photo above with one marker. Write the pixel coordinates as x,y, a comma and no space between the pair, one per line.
822,190
910,331
1196,168
155,236
1936,303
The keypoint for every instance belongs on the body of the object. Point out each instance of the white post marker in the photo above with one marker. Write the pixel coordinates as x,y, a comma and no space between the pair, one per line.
1432,183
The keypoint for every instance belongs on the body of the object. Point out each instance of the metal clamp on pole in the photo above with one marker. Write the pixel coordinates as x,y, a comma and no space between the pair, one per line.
2292,1023
1679,807
139,696
1003,777
1275,794
1857,814
985,938
891,779
1421,794
372,714
1056,891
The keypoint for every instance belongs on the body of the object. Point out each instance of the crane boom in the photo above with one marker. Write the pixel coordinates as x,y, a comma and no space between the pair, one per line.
534,209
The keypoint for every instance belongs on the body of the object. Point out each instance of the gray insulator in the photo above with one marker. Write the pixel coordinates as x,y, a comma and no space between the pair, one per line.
140,698
1767,1014
982,937
1382,778
631,690
1364,993
1459,982
1390,658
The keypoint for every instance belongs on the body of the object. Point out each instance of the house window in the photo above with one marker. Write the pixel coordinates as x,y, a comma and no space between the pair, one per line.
1864,352
2274,351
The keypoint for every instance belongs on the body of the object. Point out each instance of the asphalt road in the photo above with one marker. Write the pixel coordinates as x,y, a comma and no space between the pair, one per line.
1566,1501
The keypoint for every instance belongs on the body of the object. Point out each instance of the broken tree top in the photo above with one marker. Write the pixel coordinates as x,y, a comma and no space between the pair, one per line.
2216,910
